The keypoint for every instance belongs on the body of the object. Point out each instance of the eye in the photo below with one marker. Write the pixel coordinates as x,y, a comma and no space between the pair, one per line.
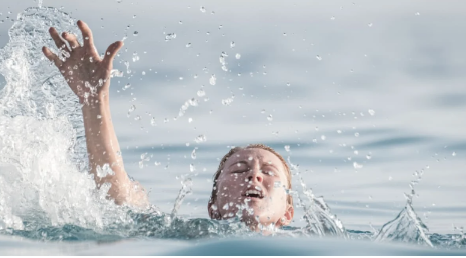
239,168
269,172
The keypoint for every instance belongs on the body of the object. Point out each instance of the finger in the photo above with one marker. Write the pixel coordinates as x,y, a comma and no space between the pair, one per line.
88,40
56,38
72,40
111,52
52,57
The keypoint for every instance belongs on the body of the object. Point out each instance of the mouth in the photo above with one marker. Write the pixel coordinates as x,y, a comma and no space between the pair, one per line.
254,193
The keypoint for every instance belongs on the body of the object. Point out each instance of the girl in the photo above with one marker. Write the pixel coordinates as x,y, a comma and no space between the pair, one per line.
251,182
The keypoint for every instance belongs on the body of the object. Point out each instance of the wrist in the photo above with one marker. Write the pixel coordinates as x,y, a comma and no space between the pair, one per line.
91,102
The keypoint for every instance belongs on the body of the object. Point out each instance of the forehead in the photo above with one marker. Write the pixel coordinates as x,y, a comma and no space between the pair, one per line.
254,155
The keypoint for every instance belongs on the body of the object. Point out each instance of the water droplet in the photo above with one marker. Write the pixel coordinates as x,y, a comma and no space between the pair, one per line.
277,184
113,73
323,137
152,121
287,148
131,109
332,18
157,163
357,165
390,178
368,156
270,117
201,93
193,102
226,206
319,57
190,120
227,102
99,116
213,80
288,84
188,45
193,154
284,34
417,14
371,112
356,134
135,57
238,56
202,9
135,33
200,138
127,86
453,154
134,16
191,167
338,131
370,24
249,158
232,44
137,118
170,36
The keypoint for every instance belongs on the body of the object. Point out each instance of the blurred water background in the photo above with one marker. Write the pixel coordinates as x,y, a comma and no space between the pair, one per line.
367,97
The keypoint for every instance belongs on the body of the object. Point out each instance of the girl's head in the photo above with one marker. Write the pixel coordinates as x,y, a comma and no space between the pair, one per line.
253,181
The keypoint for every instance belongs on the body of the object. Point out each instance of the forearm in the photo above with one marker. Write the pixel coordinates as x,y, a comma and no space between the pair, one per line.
103,148
102,144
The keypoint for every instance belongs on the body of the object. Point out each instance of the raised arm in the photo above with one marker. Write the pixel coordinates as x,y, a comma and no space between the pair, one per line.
89,78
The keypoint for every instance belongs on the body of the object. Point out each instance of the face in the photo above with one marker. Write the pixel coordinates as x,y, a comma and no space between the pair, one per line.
252,185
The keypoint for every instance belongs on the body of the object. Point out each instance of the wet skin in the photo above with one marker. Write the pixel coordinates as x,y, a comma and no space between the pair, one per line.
256,179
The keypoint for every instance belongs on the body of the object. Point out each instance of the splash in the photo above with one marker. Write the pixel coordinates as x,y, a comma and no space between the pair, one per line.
42,145
184,191
407,226
320,220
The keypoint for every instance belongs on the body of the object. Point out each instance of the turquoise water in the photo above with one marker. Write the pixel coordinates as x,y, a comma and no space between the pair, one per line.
384,151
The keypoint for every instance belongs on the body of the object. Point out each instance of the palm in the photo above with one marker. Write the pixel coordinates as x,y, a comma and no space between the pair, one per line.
85,72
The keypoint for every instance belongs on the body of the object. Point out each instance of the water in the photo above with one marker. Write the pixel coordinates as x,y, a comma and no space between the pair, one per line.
46,195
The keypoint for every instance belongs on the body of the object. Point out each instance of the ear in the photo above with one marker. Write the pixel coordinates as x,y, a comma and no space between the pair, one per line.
287,217
213,214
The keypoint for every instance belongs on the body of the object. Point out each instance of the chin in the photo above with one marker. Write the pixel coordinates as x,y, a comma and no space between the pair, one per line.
257,217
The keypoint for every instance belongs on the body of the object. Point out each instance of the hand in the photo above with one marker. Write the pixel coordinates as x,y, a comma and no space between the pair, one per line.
85,72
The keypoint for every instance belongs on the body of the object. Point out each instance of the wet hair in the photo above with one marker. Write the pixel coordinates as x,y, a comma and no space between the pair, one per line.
213,195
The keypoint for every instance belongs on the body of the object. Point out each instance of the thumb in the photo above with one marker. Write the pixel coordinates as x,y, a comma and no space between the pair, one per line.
111,52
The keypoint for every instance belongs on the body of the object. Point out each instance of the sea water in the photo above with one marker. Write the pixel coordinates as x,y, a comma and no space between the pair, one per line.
49,203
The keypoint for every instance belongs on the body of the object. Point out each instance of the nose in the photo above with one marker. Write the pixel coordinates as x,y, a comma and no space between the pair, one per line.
255,175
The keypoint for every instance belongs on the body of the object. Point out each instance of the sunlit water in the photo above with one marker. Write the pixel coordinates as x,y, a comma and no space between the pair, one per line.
47,195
